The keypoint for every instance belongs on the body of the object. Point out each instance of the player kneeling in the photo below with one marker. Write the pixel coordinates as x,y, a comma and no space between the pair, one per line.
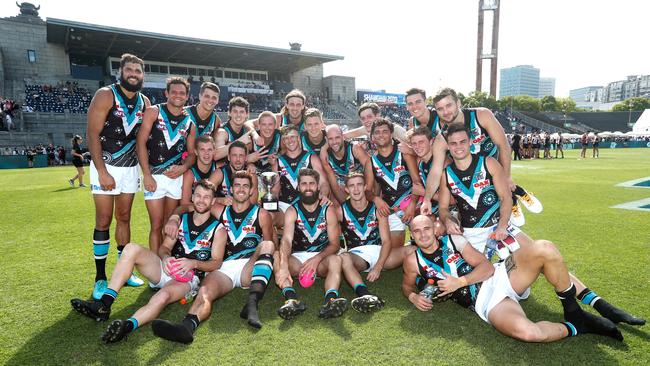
367,237
494,291
245,253
185,259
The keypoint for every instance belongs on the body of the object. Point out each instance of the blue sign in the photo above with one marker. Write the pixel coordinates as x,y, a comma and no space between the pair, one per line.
381,98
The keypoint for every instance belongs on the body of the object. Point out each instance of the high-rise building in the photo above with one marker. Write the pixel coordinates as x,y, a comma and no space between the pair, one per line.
519,80
581,94
546,87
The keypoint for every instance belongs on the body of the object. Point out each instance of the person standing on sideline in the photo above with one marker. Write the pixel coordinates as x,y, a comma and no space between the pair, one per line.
77,161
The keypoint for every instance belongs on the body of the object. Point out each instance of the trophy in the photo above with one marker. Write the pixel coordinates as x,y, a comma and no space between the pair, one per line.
269,201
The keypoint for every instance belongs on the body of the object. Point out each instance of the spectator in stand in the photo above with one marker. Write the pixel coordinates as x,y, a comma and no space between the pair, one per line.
77,161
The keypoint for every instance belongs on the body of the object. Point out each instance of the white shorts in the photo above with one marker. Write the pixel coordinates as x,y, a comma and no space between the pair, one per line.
369,253
494,290
478,236
283,206
165,279
233,269
395,223
127,179
165,187
302,257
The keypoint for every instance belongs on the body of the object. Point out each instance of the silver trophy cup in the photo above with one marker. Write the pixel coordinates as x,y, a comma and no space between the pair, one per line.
269,200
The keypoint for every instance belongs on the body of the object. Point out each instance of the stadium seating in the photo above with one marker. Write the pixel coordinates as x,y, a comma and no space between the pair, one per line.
57,99
607,121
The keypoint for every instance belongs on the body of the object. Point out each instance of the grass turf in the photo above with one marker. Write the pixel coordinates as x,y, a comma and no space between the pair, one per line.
47,260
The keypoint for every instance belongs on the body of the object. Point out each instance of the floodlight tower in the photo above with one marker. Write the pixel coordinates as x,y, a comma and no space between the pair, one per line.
483,6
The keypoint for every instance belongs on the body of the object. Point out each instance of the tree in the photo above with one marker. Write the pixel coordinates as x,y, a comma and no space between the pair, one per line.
567,105
633,104
520,103
548,104
480,99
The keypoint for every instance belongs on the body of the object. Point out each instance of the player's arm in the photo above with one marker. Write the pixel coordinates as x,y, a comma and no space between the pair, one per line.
500,181
283,275
410,123
384,253
364,159
221,144
323,186
150,116
413,169
189,147
433,179
354,133
409,290
266,223
255,196
217,126
483,270
251,126
494,129
399,132
188,181
165,249
97,111
336,190
218,250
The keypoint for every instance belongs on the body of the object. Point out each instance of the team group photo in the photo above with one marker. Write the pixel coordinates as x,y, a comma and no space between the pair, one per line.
223,214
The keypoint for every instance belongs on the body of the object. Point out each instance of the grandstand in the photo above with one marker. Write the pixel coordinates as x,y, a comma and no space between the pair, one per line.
68,61
580,122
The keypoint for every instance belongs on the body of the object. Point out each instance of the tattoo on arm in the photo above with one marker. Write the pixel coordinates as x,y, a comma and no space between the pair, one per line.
510,263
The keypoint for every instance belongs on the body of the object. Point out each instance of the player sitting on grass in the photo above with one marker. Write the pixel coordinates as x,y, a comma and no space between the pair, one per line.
170,270
493,291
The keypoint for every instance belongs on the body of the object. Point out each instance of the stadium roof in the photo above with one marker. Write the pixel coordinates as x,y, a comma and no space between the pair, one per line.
102,41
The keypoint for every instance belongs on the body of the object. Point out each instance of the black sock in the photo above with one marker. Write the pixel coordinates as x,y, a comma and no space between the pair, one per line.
519,191
108,297
289,293
331,294
101,242
191,322
261,275
608,310
567,297
120,248
361,290
131,325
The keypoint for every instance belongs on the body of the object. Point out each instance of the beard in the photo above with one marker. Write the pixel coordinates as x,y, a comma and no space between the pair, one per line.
309,199
128,86
201,210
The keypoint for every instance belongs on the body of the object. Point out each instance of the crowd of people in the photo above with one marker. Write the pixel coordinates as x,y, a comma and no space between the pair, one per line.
335,205
8,108
62,97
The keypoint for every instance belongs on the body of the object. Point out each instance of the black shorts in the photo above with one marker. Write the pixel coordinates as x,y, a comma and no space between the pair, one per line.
77,163
535,146
595,144
585,144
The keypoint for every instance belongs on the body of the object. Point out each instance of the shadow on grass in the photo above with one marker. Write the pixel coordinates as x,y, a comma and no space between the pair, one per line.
496,348
66,189
75,339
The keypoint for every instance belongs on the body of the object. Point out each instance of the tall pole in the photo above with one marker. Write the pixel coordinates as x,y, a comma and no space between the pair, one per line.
494,52
479,48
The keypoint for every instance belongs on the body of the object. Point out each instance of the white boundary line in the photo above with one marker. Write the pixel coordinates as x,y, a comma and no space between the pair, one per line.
635,205
631,183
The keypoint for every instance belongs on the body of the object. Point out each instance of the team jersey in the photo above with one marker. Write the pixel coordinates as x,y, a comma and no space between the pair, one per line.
393,177
310,230
348,164
244,232
123,121
288,169
308,146
448,258
481,143
272,147
424,167
203,126
195,242
287,122
476,197
434,122
223,190
360,228
232,135
199,175
168,139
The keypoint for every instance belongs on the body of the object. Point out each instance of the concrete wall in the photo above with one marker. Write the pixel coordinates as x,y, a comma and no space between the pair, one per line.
339,88
19,34
309,80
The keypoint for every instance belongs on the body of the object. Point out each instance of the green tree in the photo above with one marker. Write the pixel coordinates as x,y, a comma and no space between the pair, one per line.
565,105
480,99
634,104
520,103
548,103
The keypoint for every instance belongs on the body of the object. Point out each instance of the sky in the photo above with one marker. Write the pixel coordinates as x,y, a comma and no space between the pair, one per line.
397,45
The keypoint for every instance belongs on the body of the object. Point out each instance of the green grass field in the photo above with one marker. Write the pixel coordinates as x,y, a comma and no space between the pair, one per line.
46,260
